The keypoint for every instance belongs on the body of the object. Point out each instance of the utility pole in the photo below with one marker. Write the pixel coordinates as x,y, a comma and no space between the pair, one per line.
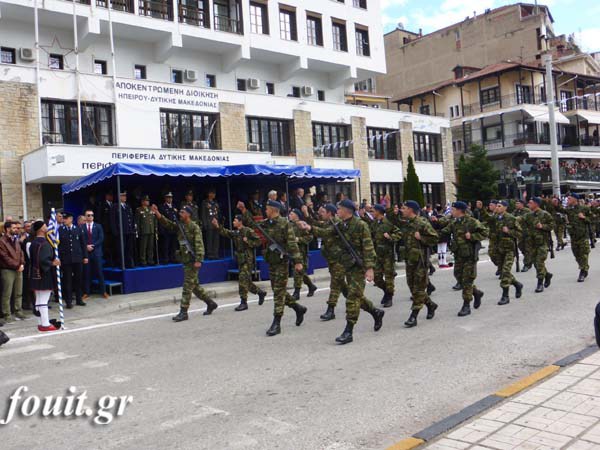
552,119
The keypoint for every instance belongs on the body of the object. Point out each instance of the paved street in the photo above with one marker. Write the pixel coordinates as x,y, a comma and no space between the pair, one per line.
218,383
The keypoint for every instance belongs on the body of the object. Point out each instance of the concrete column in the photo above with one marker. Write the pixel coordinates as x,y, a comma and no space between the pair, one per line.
303,138
232,133
406,145
449,193
360,150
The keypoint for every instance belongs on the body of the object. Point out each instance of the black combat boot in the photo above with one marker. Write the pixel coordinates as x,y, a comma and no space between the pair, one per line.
457,287
519,289
346,336
243,306
412,320
384,298
311,290
211,305
275,326
300,311
329,314
261,297
526,268
465,310
505,300
582,275
431,269
296,294
558,247
431,307
540,286
378,318
548,279
477,296
430,288
387,300
183,315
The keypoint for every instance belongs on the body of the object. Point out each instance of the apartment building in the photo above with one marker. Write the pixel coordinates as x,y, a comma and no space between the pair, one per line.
89,83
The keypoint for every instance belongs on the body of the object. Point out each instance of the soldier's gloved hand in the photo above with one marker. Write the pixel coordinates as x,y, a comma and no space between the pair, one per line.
369,275
298,267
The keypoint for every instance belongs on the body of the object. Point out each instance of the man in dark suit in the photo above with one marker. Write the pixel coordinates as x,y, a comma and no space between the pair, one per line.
127,226
103,211
72,253
168,239
93,235
297,200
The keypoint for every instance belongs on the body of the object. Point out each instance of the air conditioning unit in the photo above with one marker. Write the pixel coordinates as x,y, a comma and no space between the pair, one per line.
26,54
252,147
201,145
253,83
308,91
191,75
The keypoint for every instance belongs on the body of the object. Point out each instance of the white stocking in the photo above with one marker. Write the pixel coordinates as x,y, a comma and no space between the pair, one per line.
41,303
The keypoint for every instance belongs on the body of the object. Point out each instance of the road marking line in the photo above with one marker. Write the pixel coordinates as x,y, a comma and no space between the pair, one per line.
407,444
29,348
20,380
526,382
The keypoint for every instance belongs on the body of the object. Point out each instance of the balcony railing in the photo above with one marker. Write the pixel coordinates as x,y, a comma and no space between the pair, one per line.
117,5
506,101
514,140
192,15
156,8
227,24
591,103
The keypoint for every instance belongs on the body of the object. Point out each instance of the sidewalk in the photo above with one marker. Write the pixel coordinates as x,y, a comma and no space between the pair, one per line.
561,412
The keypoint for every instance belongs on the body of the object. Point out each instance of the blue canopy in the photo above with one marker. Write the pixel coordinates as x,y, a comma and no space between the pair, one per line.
126,169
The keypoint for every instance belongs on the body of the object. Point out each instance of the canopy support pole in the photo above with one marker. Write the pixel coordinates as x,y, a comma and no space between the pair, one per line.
229,211
121,240
287,194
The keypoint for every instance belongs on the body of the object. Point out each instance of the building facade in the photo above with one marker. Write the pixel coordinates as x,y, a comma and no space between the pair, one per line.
208,82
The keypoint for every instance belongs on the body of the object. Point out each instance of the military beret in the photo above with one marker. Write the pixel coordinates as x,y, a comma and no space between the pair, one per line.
574,195
537,200
298,213
188,210
348,204
520,201
460,205
413,205
330,208
503,203
275,204
37,225
379,208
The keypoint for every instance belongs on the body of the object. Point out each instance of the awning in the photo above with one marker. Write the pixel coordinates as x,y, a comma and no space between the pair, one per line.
542,115
563,154
539,113
592,117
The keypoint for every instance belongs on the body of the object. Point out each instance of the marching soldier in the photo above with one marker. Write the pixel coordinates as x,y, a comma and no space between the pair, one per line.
538,223
465,234
303,238
508,230
559,223
245,240
127,226
146,227
520,211
385,235
579,228
357,257
487,218
211,210
189,201
168,236
191,253
418,238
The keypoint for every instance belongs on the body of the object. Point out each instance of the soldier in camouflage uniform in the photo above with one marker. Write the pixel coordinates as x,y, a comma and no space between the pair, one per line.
578,221
560,222
385,235
245,240
487,217
538,224
189,201
418,238
188,233
508,229
303,238
465,234
357,234
146,225
520,211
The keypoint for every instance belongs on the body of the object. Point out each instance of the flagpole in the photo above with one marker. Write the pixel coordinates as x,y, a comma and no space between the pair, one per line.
77,75
54,239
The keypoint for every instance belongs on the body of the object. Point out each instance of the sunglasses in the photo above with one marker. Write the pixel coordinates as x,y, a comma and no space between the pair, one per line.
89,215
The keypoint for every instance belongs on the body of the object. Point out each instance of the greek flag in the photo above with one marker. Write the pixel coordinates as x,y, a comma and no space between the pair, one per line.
52,234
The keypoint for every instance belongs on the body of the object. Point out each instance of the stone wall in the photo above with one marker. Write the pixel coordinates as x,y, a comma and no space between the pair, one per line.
302,139
360,151
232,127
449,194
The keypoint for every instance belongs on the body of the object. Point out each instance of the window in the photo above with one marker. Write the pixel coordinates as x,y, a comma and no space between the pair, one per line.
295,92
211,80
362,42
454,111
270,88
340,39
55,61
8,55
227,16
314,29
379,191
523,94
490,95
382,143
566,102
287,25
185,129
271,135
331,140
259,18
425,109
367,85
360,4
176,76
100,67
139,72
242,84
432,193
321,96
96,124
492,133
427,147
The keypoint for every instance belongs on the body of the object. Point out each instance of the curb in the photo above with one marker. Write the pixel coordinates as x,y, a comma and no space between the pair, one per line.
443,426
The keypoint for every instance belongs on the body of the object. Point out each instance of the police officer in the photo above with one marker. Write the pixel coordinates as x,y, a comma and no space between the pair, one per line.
211,210
539,224
72,253
168,236
127,227
146,227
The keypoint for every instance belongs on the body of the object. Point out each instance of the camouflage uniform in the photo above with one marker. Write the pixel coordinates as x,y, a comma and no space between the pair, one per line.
146,225
522,238
488,219
244,254
417,267
506,243
195,211
579,234
303,238
191,284
538,239
559,221
465,255
385,269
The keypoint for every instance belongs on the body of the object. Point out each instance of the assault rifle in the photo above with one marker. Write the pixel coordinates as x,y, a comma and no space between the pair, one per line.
591,236
355,256
274,246
550,244
517,254
186,241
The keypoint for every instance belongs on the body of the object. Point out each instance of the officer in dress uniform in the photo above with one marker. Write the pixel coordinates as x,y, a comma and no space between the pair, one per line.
128,227
254,204
103,218
146,225
189,202
72,253
211,210
168,237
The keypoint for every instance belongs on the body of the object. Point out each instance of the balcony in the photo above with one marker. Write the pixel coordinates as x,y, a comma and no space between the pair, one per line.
505,101
192,15
514,140
229,25
156,8
591,103
117,5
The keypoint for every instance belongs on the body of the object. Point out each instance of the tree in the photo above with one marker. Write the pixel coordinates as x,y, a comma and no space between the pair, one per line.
411,189
477,178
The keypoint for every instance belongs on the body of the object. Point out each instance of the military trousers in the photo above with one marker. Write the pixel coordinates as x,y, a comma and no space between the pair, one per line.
279,274
191,285
559,230
301,277
493,252
337,284
12,285
506,260
539,254
525,249
417,278
147,243
356,300
245,280
581,250
385,272
465,272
